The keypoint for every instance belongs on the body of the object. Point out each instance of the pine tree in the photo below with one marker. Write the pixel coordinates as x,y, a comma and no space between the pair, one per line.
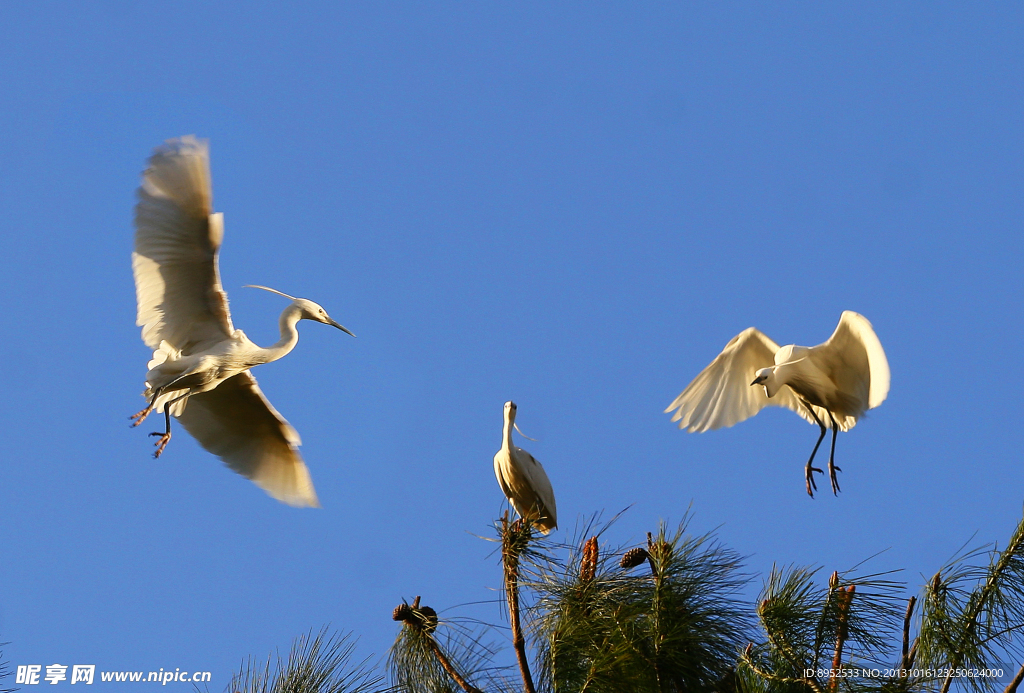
670,616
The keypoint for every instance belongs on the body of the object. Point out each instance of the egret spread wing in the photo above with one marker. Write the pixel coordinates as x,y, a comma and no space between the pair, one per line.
721,395
236,422
177,283
855,361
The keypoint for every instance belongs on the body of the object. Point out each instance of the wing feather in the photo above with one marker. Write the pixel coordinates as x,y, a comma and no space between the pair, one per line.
855,361
177,237
543,494
721,395
236,422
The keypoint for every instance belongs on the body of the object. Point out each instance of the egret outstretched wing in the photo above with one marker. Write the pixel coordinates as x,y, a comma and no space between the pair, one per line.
721,395
854,359
177,283
236,422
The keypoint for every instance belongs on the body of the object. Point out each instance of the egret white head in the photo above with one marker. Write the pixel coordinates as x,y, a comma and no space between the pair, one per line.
769,378
763,375
510,416
308,309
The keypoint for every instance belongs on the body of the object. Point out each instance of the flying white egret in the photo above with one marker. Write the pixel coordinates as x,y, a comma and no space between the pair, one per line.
200,366
523,480
831,384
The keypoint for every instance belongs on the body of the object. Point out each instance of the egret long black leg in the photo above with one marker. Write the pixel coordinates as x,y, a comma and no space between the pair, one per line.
140,416
165,437
809,470
832,468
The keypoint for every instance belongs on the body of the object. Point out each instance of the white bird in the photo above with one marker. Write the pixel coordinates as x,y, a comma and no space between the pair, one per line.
831,384
523,480
200,366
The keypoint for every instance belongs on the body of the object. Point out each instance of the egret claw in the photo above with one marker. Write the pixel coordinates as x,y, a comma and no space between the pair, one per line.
140,416
811,485
832,469
162,443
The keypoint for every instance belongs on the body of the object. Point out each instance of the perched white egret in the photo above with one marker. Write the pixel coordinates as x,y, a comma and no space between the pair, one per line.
200,366
523,480
831,384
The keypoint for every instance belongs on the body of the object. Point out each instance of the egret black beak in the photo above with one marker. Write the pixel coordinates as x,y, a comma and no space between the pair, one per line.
340,327
756,381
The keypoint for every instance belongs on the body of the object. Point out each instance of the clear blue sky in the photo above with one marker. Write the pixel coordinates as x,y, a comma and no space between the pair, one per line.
572,206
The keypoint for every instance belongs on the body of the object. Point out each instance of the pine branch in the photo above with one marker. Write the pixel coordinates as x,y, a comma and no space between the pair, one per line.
1012,687
980,600
5,670
320,662
449,667
906,661
677,628
421,622
745,658
845,597
514,536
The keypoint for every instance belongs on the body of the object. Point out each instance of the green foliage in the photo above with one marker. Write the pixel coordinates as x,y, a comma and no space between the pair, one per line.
318,663
674,620
972,619
809,630
5,670
425,645
973,615
414,665
675,624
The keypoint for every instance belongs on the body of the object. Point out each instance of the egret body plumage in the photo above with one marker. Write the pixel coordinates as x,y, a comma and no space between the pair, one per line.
831,384
522,479
200,366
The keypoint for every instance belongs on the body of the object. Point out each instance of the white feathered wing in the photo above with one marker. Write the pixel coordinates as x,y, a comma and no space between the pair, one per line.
721,395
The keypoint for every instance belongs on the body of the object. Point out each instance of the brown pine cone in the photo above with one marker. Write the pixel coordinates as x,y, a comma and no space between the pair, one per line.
428,618
588,565
633,557
402,612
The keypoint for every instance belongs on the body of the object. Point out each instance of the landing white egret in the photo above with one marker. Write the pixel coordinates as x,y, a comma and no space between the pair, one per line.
200,366
831,384
523,480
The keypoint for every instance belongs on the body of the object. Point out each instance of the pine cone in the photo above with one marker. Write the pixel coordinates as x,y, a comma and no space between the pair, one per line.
588,565
660,550
428,619
633,557
402,612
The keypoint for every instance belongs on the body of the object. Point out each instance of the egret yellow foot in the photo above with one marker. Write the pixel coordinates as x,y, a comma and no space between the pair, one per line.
162,443
832,469
809,474
140,416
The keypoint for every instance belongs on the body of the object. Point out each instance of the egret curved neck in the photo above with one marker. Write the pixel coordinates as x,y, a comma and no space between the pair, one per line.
506,433
289,335
774,381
